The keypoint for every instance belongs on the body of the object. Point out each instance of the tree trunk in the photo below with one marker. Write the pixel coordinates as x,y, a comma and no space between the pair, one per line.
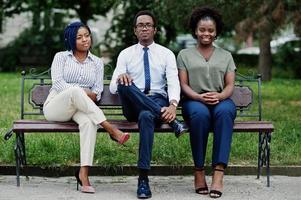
249,40
265,58
84,11
265,31
1,17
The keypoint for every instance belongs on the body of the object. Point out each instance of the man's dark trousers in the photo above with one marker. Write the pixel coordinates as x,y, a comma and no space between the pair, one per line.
146,110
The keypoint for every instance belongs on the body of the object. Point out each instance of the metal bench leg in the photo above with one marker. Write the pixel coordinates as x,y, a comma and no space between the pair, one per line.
259,159
17,157
19,154
264,155
23,152
267,145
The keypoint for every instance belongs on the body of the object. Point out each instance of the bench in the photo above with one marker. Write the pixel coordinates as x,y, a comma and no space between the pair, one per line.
246,100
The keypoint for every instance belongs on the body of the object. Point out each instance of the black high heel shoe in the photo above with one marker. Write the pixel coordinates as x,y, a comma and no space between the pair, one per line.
216,193
84,189
201,190
77,179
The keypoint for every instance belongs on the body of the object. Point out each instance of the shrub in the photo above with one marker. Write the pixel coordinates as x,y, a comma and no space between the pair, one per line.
31,48
288,58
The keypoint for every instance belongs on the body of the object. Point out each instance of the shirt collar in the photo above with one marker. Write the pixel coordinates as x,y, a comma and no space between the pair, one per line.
151,46
70,53
90,56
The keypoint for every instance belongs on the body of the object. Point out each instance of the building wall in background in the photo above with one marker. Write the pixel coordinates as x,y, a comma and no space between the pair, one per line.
13,26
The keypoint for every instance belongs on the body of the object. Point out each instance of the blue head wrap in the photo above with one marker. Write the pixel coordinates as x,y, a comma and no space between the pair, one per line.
70,33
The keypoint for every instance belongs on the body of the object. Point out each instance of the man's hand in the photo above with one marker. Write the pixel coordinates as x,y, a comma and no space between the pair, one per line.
124,79
90,94
168,113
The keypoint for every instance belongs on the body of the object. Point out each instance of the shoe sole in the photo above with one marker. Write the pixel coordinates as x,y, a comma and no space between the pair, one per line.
144,197
182,133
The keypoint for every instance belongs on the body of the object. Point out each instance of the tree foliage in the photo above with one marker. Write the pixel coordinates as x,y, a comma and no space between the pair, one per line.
121,34
260,18
85,9
38,44
263,20
172,16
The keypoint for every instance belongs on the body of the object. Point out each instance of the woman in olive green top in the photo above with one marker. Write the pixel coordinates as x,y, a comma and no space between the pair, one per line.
207,76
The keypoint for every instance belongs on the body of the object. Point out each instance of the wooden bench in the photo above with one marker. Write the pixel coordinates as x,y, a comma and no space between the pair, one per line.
245,98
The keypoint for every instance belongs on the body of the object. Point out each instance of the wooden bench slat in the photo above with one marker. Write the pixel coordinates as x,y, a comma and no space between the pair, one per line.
253,126
242,96
46,126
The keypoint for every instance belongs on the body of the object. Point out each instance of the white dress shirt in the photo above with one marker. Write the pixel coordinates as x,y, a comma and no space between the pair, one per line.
67,71
163,70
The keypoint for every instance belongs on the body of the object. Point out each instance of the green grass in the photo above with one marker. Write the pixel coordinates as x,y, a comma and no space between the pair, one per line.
281,104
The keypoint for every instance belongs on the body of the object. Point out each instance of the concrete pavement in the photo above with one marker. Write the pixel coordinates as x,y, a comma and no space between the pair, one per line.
163,188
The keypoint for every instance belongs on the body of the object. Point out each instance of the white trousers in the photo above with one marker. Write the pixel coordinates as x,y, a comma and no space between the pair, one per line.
74,103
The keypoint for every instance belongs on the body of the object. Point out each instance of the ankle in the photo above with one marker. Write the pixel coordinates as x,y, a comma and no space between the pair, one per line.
85,180
83,176
116,132
143,174
219,167
217,179
199,178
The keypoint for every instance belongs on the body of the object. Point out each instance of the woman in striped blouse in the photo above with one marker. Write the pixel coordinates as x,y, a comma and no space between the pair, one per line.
77,83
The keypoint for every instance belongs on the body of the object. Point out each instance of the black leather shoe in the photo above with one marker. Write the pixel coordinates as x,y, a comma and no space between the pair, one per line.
178,127
143,191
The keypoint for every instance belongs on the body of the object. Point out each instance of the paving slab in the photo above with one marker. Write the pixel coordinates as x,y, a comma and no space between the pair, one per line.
163,187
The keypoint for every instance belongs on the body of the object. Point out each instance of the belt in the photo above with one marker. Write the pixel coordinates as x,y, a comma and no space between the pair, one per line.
149,93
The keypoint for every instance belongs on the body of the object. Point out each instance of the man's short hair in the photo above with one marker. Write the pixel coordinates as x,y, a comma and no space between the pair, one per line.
145,12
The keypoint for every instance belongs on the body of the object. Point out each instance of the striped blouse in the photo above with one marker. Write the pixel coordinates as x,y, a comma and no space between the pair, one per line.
68,72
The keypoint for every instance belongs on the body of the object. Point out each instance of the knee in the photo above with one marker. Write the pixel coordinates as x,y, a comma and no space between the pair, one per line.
199,115
145,116
195,110
228,109
121,88
124,89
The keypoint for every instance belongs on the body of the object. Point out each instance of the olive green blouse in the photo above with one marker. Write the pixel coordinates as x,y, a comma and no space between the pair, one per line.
206,76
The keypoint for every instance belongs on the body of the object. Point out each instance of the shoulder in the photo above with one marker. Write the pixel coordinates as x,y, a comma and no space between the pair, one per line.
128,50
162,48
222,51
62,54
187,52
163,51
95,58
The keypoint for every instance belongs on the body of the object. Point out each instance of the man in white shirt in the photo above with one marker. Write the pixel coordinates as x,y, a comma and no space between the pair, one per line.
143,73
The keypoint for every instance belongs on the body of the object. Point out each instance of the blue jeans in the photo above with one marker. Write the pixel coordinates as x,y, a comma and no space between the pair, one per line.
146,110
202,119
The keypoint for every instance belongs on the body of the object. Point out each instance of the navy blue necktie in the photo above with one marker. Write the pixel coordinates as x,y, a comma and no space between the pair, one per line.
146,70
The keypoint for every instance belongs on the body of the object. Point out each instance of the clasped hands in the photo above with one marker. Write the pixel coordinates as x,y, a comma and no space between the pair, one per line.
168,114
210,98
